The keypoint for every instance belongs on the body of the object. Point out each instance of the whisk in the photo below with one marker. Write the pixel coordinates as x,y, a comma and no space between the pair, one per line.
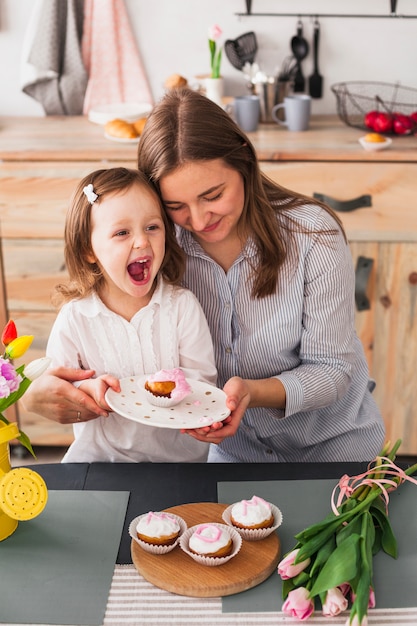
288,69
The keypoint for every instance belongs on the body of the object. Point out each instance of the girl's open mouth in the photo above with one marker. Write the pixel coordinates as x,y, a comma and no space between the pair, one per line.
139,270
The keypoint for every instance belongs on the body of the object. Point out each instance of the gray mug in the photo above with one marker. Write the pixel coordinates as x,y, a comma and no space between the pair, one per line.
247,111
297,110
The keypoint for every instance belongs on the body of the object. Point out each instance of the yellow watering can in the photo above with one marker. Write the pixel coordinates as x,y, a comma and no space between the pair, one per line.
23,493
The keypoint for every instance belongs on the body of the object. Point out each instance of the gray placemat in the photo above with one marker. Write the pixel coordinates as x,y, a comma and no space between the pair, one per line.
58,567
304,502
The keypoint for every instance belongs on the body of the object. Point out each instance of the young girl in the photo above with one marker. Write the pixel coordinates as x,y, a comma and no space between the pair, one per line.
124,315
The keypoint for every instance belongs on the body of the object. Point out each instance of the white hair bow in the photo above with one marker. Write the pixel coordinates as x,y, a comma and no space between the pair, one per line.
89,192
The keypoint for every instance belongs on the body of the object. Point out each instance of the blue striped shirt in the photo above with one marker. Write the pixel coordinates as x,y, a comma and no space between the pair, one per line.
304,335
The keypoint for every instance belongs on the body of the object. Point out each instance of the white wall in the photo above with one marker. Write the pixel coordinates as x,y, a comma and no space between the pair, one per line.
172,38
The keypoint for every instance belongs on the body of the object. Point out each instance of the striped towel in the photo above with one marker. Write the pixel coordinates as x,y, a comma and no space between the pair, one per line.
111,56
52,70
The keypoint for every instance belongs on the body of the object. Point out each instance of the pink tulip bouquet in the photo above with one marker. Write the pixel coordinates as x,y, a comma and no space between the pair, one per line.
15,381
331,564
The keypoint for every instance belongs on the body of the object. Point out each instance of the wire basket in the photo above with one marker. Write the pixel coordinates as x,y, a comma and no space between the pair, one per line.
355,99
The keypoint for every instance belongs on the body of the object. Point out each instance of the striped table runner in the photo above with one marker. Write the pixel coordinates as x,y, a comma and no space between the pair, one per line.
135,602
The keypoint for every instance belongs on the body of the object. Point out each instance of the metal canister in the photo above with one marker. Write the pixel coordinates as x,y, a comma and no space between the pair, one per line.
271,92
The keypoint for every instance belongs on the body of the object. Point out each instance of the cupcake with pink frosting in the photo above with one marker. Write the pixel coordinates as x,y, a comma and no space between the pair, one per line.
157,531
211,543
254,519
167,387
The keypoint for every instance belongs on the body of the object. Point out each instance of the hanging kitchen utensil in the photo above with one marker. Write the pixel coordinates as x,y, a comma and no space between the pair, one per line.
315,82
300,49
241,50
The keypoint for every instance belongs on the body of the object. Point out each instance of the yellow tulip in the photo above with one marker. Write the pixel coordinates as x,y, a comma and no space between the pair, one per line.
18,346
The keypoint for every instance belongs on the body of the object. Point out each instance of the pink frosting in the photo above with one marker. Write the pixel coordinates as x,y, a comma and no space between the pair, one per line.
208,538
254,511
156,524
181,389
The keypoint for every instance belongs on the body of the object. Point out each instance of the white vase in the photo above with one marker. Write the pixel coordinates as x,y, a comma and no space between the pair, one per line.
214,89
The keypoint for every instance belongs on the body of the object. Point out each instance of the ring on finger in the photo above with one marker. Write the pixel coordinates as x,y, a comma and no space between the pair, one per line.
78,416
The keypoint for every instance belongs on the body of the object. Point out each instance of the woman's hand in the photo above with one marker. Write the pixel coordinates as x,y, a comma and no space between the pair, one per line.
53,396
237,401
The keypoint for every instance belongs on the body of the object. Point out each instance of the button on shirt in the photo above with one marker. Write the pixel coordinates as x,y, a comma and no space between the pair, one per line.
303,334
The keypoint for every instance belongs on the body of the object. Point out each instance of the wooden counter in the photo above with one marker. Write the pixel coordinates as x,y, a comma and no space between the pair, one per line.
42,159
61,138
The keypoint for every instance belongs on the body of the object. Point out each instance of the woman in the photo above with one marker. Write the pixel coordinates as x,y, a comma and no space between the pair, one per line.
273,273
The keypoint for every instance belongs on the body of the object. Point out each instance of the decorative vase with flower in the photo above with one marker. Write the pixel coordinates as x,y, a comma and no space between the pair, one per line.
23,492
214,83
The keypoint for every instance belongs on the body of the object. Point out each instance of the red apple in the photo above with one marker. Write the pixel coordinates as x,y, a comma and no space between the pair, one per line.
370,119
414,117
402,124
383,123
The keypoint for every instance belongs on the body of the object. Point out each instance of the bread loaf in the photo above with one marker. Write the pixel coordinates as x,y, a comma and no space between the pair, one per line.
121,129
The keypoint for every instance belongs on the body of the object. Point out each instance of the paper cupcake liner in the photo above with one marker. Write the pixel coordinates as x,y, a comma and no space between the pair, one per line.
211,561
149,547
255,534
161,401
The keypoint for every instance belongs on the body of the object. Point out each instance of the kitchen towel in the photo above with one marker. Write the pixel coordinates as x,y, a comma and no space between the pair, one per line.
58,568
111,56
52,69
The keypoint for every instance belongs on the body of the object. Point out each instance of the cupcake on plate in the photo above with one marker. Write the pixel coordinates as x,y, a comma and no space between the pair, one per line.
211,543
167,387
253,519
157,532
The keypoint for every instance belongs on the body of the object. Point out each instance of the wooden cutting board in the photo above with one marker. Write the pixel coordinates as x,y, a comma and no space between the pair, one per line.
179,573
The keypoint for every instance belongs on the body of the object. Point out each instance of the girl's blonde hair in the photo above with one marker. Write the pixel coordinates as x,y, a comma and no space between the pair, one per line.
86,277
184,127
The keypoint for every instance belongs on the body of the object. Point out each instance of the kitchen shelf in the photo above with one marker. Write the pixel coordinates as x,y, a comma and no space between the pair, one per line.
322,15
391,15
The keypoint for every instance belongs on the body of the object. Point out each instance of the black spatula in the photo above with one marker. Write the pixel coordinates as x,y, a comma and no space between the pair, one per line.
315,81
241,50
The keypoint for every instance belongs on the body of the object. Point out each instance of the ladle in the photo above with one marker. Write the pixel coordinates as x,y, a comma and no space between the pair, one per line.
300,49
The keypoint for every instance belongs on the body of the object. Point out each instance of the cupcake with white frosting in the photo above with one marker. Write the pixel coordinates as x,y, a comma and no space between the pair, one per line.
211,543
253,519
157,532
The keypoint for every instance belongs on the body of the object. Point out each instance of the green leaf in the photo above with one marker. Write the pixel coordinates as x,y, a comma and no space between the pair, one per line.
287,586
304,535
323,555
16,395
360,604
340,567
377,541
25,441
318,540
388,540
354,526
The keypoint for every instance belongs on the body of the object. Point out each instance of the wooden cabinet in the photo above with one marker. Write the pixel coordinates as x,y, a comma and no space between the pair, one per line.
42,159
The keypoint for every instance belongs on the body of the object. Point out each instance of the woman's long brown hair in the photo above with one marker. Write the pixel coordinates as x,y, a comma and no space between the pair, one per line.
184,127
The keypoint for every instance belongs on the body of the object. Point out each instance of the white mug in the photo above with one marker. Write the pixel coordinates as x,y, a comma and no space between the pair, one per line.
297,109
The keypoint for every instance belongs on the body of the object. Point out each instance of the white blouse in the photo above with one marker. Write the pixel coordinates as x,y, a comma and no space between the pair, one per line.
170,332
